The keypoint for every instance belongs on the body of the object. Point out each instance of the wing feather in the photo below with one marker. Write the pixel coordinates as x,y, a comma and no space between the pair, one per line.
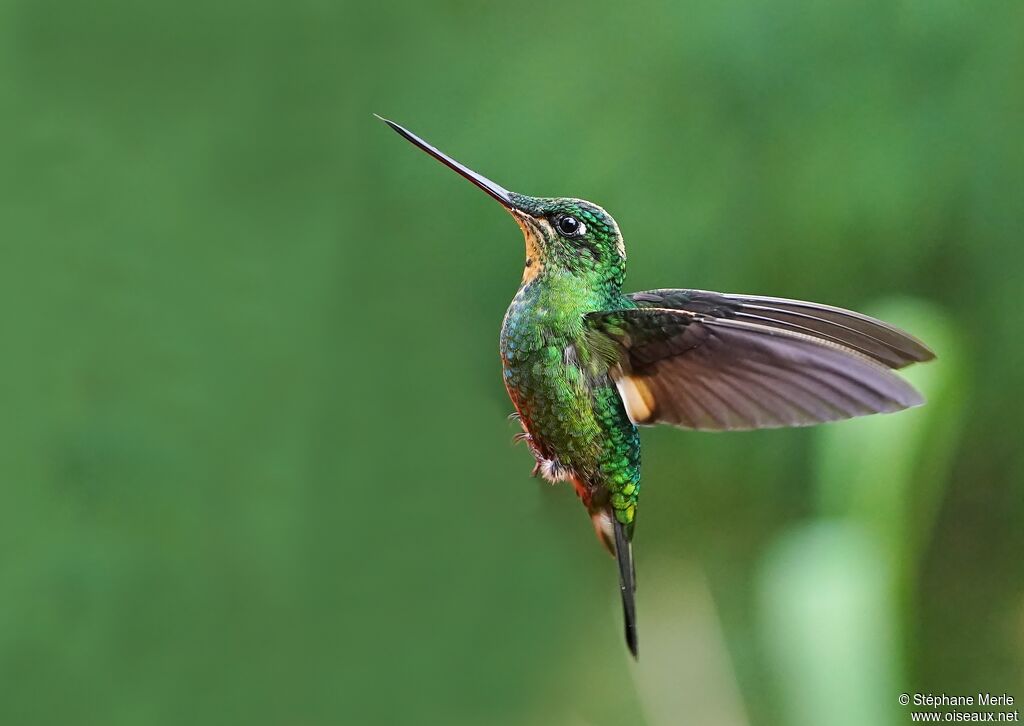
723,373
876,339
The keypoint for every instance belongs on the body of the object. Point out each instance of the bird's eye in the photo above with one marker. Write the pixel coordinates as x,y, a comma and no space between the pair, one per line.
569,226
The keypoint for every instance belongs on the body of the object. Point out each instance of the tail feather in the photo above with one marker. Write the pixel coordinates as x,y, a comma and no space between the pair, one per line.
627,584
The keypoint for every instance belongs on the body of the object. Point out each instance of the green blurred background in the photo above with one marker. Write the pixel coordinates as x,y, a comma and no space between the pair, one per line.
256,467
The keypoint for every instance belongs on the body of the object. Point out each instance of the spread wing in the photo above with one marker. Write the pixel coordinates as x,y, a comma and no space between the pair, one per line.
873,338
715,372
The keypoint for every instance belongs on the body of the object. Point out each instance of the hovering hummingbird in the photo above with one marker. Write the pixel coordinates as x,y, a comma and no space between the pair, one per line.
585,363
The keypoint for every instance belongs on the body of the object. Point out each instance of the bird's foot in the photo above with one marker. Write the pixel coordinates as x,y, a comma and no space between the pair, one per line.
552,470
548,468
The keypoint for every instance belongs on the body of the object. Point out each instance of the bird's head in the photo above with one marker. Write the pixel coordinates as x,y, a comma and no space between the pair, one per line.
562,235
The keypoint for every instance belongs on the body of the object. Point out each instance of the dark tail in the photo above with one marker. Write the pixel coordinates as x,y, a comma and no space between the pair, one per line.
627,584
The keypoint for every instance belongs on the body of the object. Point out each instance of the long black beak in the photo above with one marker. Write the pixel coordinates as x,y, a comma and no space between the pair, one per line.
495,190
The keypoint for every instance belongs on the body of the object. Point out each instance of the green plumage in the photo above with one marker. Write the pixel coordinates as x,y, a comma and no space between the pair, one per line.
556,371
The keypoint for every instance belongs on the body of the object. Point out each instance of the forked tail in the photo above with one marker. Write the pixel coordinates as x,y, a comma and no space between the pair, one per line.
627,584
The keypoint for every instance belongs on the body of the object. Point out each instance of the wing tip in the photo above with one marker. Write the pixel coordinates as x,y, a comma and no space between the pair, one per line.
913,398
925,354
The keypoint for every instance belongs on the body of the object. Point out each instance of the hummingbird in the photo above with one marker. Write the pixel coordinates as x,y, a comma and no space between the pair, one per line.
585,363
